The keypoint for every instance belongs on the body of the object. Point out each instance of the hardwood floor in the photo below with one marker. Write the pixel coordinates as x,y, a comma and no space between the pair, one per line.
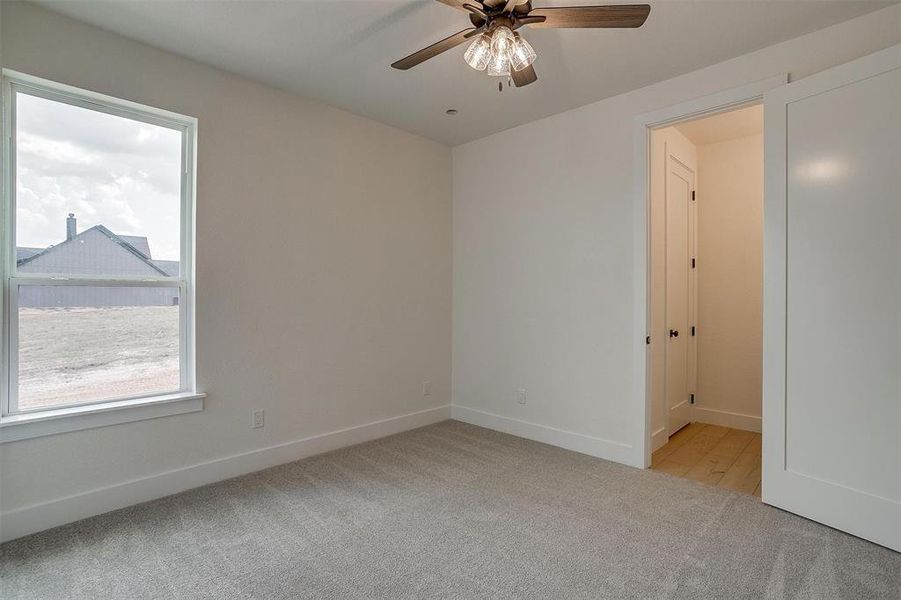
717,456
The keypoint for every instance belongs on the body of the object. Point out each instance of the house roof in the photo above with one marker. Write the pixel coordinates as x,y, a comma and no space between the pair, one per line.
169,266
117,239
139,242
26,252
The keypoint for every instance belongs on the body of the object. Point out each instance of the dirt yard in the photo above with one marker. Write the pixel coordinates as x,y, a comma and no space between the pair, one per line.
76,355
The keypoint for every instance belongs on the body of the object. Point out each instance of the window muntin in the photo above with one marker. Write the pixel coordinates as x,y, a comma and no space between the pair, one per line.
105,312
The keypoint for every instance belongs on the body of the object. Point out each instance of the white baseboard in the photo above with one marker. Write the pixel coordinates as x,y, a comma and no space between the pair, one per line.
726,419
578,442
31,519
658,439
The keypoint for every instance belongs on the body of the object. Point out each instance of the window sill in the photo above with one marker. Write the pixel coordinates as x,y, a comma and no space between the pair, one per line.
61,420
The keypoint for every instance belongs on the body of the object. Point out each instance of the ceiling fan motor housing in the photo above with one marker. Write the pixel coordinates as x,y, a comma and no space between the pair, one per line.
500,21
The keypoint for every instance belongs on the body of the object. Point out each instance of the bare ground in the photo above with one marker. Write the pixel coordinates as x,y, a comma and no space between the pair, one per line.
76,355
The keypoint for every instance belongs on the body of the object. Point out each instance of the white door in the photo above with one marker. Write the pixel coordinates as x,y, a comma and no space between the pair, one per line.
679,189
832,298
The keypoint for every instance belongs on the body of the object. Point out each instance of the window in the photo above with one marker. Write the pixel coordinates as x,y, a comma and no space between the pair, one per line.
97,254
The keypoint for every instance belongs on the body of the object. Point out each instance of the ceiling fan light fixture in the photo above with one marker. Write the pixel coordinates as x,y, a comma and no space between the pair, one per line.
523,54
478,55
502,41
493,45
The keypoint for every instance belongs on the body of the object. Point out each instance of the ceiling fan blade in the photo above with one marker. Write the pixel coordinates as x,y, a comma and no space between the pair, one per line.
435,49
459,3
616,15
509,5
476,9
524,77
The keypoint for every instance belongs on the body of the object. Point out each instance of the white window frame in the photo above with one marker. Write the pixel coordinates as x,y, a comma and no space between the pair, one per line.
22,424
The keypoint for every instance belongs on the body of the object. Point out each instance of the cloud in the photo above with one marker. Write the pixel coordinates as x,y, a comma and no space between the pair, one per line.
109,170
53,151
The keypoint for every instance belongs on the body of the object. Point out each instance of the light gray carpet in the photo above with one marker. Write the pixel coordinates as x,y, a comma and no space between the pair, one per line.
450,511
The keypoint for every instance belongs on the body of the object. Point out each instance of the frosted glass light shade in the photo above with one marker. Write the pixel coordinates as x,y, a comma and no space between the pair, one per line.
478,55
499,65
502,41
523,54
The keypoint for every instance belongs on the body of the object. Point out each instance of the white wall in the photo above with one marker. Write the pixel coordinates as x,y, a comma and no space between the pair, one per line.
543,270
730,283
323,275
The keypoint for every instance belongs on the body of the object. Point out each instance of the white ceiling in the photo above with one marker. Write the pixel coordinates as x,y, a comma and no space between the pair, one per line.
339,51
724,126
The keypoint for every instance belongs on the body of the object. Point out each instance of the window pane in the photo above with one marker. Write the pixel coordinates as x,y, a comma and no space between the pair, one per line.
80,344
96,194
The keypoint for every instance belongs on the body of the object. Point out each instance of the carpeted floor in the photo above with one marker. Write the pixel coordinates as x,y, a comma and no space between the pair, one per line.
450,511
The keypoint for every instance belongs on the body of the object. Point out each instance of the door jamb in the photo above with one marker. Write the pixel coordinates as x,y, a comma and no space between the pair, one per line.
719,102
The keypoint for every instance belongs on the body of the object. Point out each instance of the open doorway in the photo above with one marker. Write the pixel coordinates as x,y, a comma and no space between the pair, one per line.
706,296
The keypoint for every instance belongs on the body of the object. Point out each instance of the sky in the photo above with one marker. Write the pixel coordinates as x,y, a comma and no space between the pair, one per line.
108,170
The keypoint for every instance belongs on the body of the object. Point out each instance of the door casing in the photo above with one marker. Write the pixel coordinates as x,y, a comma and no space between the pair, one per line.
712,104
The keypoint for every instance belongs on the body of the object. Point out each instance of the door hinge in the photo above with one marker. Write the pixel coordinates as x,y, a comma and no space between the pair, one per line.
693,263
692,195
647,340
691,398
692,331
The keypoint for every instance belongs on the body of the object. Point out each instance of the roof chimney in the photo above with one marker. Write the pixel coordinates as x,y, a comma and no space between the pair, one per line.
71,231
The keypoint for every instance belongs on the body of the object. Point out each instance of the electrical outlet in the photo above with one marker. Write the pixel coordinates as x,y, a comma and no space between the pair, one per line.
521,396
426,388
258,419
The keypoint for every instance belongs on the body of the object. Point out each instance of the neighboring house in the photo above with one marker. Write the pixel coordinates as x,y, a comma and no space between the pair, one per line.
23,252
95,251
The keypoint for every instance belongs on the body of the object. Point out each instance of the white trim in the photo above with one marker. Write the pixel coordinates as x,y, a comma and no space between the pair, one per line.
578,442
726,418
26,425
12,83
37,517
52,90
76,280
7,233
659,439
706,105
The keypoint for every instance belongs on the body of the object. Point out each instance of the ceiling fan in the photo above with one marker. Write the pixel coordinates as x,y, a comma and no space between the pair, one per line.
499,49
